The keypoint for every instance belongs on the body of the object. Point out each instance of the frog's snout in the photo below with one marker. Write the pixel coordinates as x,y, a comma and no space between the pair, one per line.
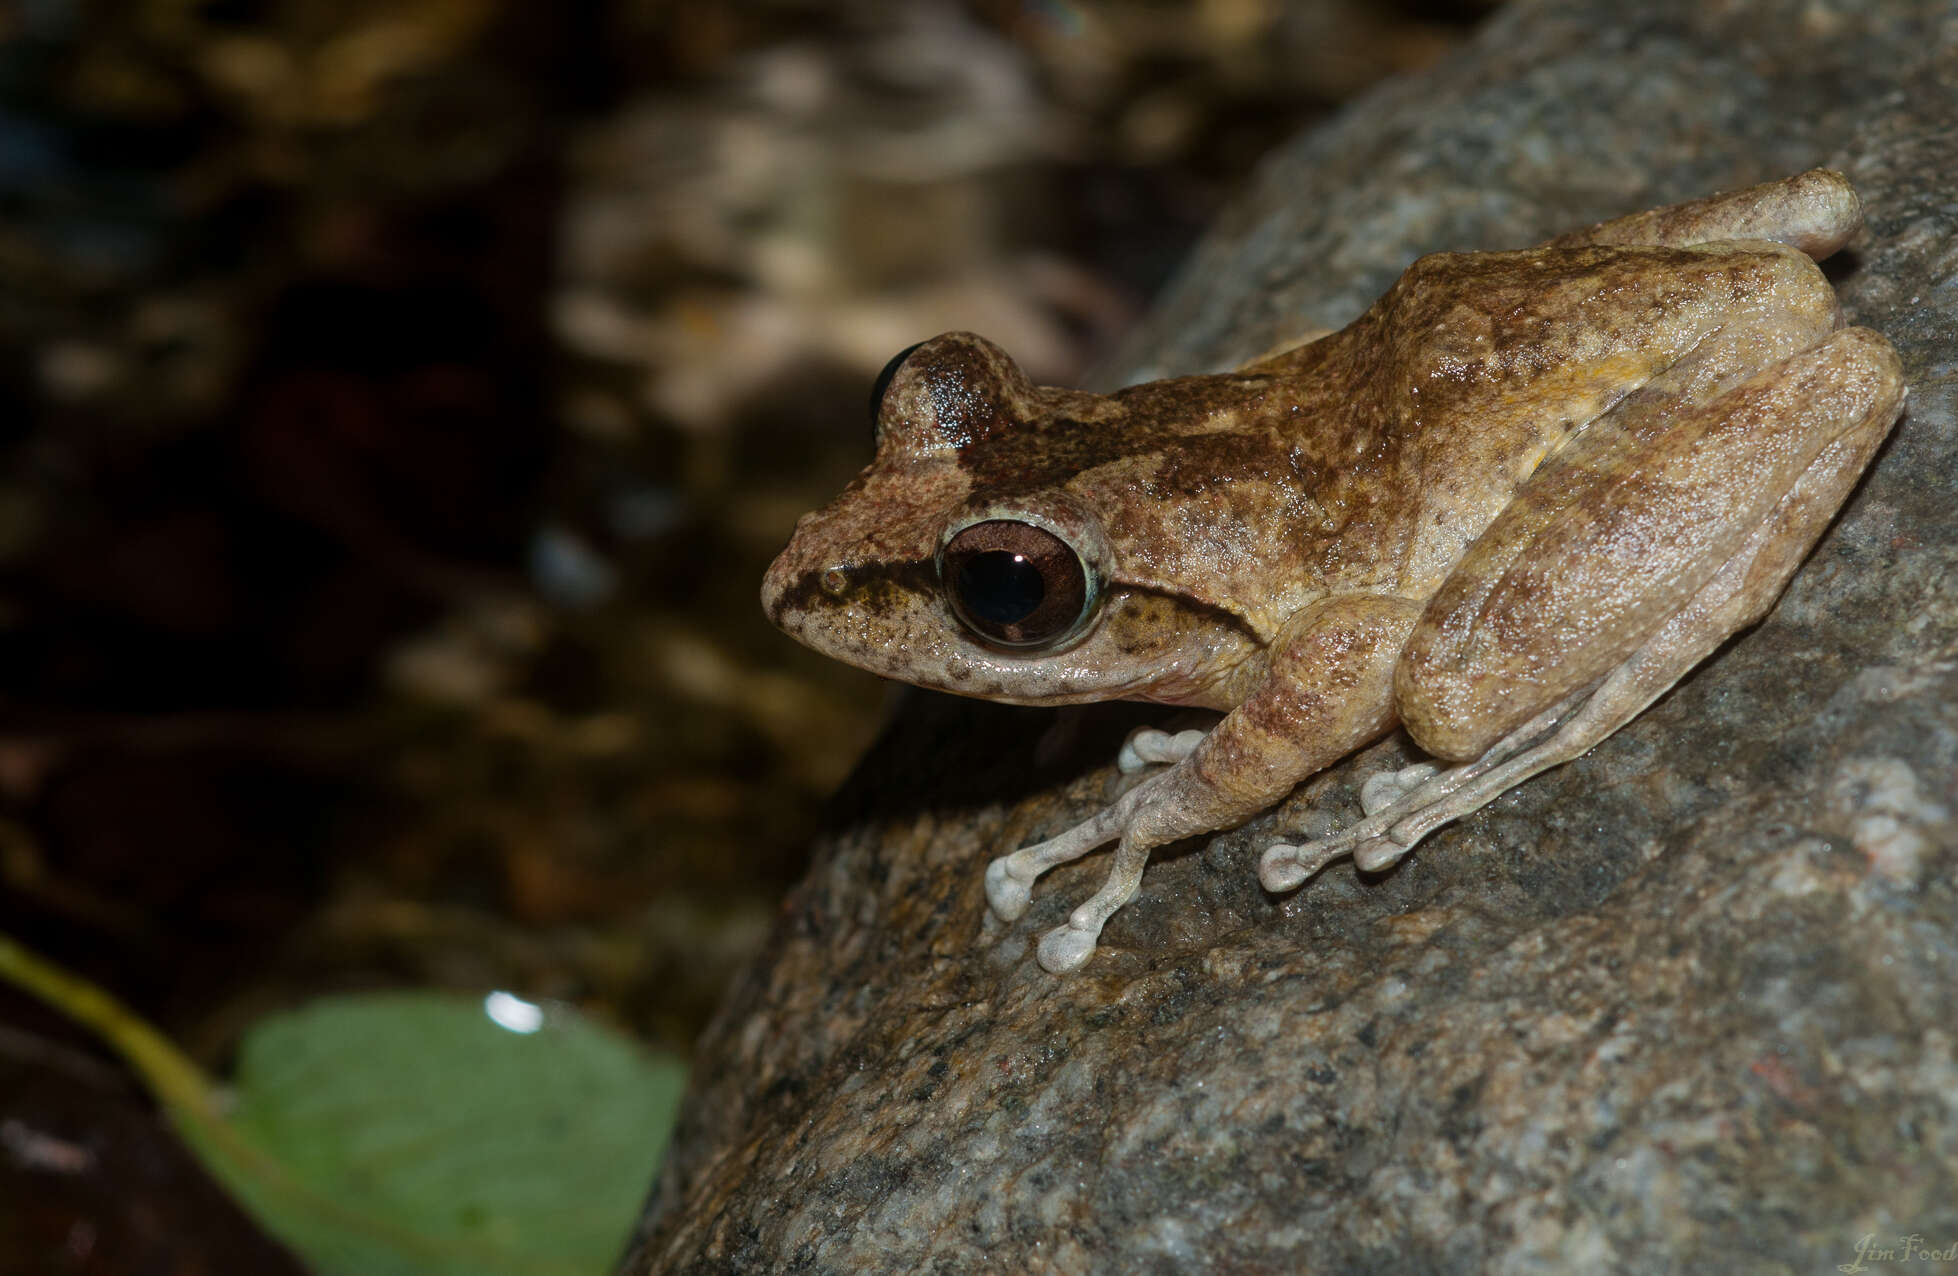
776,585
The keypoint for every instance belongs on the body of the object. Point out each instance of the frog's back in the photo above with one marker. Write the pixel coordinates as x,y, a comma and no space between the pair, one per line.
1537,342
1474,367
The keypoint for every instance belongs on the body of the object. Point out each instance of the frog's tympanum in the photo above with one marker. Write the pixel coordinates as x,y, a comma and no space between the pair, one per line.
1505,508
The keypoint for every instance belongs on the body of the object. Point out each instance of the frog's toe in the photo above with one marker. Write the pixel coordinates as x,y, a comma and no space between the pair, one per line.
1148,746
1384,788
1377,854
1065,948
1375,843
1285,867
1006,894
1280,871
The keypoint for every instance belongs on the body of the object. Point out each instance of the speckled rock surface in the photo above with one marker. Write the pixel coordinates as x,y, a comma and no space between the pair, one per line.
1685,1004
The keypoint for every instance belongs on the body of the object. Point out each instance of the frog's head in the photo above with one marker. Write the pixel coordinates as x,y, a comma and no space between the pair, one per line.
960,560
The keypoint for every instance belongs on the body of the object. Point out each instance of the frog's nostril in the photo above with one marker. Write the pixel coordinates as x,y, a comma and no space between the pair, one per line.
836,581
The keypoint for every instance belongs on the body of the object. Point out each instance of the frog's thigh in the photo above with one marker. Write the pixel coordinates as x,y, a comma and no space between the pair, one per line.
1739,594
1816,211
1553,597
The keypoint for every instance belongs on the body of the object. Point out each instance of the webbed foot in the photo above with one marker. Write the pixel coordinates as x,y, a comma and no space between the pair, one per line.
1404,806
1384,788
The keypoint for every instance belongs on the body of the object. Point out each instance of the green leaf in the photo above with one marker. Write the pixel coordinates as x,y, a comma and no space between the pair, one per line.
408,1134
459,1145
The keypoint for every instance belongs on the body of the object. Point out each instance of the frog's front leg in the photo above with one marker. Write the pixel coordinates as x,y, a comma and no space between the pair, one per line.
1328,690
1596,592
1148,746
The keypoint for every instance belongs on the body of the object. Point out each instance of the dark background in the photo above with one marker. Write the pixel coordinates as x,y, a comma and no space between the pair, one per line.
398,405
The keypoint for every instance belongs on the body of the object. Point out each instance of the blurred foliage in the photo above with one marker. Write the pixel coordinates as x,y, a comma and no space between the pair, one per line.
402,399
408,1134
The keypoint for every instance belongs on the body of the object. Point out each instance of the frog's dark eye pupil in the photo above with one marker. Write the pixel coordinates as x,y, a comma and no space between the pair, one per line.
999,587
883,384
1016,585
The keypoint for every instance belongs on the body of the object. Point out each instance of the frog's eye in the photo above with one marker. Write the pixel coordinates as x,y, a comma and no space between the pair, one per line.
1017,585
883,385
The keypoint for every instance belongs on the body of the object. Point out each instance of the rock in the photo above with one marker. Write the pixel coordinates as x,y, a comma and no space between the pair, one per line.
1684,1004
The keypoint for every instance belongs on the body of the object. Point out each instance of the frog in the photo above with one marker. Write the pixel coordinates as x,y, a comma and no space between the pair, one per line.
1503,510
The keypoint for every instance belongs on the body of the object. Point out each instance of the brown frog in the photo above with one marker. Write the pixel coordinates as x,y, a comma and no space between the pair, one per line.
1506,508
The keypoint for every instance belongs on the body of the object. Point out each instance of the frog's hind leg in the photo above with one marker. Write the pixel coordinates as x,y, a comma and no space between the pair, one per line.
1507,673
1392,798
1816,211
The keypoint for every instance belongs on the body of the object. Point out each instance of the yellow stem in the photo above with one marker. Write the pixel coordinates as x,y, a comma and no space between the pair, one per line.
177,1082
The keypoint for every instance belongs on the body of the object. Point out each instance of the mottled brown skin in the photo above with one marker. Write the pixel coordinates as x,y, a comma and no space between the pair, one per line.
1506,507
